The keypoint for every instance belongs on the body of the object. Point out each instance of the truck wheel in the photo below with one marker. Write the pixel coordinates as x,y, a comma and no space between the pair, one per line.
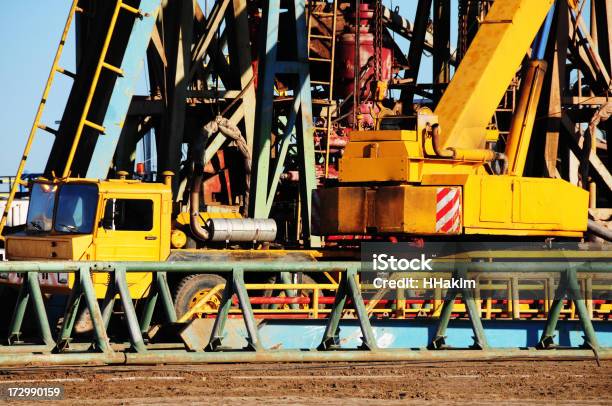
192,288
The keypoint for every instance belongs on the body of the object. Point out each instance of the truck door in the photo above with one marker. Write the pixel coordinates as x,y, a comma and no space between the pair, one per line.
129,229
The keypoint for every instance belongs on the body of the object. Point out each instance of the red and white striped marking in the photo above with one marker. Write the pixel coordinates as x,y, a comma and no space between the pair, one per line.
448,210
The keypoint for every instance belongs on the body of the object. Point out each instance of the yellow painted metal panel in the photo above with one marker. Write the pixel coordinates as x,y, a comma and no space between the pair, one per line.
52,247
129,245
385,135
406,209
342,210
184,217
509,205
552,201
444,179
495,205
374,169
486,70
132,186
384,169
401,209
523,206
165,224
383,149
519,232
138,283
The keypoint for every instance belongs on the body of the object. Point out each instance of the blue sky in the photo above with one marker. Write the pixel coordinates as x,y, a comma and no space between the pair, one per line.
31,30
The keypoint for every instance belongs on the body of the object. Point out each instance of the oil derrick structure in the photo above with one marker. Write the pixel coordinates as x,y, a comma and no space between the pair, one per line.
206,63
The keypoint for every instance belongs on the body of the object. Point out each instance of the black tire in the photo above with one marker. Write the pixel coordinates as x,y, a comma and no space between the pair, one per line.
190,287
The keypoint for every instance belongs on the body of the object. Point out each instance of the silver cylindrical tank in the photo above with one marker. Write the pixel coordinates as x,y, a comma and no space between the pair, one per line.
241,229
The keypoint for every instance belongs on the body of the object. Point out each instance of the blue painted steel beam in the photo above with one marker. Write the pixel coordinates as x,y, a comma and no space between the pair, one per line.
413,333
539,45
125,86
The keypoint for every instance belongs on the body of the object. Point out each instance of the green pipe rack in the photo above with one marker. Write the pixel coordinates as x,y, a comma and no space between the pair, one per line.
58,350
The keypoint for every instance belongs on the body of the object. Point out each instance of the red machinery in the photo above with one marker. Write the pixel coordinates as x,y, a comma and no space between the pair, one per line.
371,62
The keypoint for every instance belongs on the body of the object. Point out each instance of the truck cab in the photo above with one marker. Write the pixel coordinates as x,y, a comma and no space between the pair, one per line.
93,220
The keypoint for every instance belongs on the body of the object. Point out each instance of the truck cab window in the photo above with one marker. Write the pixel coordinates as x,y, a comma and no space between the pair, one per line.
42,204
76,208
128,215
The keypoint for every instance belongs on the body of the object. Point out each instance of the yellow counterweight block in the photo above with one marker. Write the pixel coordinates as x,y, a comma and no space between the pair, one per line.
398,209
511,205
456,204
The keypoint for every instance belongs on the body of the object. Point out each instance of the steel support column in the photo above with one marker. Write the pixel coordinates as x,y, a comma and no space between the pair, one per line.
569,287
178,21
241,53
415,53
557,52
348,289
441,51
269,67
30,289
235,286
480,340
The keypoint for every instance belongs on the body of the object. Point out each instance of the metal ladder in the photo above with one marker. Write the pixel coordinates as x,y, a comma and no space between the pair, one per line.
329,101
56,68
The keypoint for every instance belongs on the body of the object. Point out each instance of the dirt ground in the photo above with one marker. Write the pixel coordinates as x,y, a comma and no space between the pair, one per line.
510,382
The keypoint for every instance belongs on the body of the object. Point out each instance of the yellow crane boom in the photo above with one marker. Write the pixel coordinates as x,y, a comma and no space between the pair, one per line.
489,65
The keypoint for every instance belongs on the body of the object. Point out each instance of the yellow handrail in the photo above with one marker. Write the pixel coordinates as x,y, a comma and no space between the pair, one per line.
41,106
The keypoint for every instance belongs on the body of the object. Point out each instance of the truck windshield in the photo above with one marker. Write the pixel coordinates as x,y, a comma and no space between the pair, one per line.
40,212
76,209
